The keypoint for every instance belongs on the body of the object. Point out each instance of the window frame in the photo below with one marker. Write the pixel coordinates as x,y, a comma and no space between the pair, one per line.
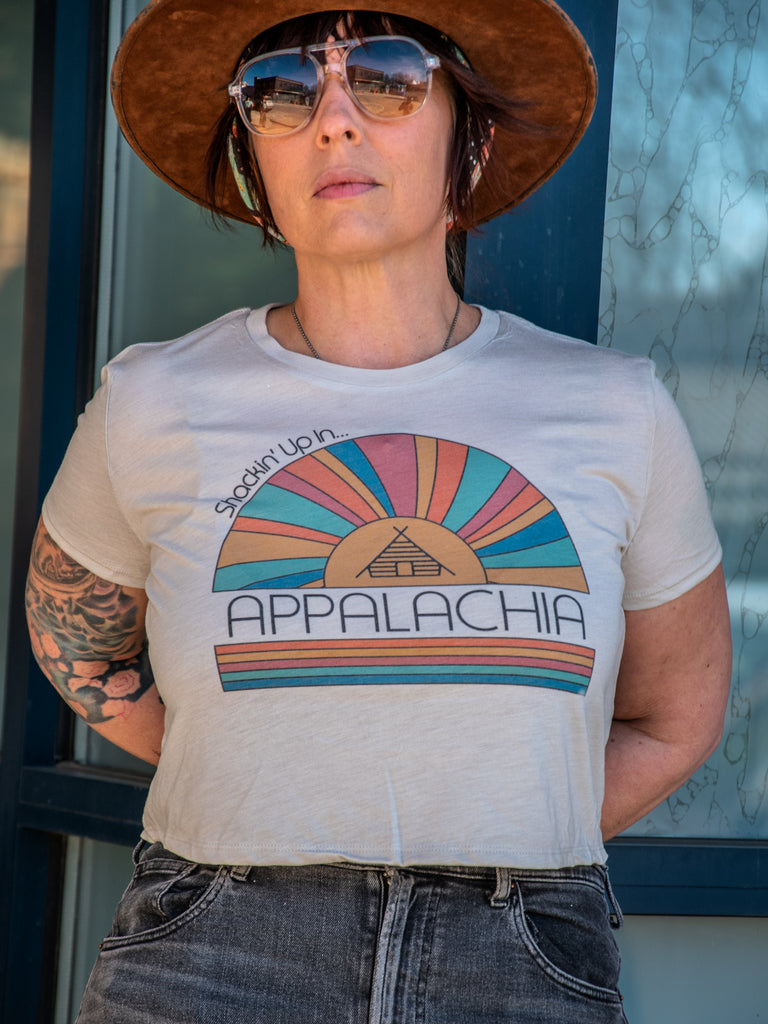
69,64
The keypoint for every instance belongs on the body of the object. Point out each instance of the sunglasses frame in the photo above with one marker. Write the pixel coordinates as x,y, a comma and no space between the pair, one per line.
235,89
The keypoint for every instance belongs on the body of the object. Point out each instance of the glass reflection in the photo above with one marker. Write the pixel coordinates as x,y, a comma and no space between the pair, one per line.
686,235
15,78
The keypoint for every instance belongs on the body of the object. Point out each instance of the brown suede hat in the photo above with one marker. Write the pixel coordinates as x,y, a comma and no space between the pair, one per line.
170,77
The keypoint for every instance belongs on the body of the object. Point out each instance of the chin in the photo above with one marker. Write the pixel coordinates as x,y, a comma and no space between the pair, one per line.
352,237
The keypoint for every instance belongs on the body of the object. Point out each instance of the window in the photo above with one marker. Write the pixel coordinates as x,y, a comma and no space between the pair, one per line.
119,258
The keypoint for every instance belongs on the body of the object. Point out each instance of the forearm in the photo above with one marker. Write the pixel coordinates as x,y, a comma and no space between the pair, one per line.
88,638
135,724
118,699
641,771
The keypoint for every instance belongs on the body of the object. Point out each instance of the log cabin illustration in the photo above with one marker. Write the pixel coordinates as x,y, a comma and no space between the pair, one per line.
403,557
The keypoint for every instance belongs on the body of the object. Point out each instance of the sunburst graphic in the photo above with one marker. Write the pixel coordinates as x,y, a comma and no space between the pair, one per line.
397,510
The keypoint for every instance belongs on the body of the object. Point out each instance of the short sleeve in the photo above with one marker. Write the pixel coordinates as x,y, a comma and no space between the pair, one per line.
675,545
81,511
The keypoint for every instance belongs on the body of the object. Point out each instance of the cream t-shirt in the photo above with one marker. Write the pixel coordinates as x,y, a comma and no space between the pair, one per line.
385,606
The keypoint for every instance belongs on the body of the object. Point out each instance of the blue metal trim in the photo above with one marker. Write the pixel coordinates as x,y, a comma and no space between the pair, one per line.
67,111
20,692
67,246
29,989
90,802
690,877
651,876
543,260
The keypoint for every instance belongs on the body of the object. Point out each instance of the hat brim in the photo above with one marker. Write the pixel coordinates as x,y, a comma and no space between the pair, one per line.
171,72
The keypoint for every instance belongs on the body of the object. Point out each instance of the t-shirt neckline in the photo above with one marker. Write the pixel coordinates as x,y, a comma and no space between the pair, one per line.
310,368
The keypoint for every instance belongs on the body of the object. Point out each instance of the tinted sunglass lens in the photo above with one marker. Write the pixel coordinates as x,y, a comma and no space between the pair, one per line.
388,77
278,93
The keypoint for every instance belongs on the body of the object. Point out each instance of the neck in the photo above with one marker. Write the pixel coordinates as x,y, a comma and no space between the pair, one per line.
371,316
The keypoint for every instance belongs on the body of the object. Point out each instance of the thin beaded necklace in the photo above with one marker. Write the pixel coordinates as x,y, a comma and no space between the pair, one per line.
314,351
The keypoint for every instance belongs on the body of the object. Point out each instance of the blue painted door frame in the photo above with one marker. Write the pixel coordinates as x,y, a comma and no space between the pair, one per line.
543,260
59,309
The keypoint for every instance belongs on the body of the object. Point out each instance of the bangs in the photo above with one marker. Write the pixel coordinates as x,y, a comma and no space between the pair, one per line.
315,28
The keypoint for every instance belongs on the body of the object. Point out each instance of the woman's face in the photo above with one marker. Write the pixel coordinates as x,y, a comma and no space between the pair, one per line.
347,186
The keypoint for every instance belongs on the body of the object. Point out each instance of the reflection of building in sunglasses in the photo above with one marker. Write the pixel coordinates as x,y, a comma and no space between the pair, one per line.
276,92
367,80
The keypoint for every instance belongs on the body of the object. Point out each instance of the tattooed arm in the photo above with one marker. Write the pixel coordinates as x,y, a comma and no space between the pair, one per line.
88,638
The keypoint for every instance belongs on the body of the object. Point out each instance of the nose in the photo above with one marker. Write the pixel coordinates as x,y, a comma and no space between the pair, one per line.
336,115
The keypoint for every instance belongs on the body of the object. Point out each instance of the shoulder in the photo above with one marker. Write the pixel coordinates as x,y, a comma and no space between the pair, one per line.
151,357
144,386
557,362
150,379
551,346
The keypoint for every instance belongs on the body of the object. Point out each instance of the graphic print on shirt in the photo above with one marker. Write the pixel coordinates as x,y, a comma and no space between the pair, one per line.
399,558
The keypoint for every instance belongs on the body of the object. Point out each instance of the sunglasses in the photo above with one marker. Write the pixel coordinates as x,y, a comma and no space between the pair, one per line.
388,77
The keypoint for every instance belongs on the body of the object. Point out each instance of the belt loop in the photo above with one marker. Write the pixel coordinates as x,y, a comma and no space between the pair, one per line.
615,917
140,847
504,886
240,872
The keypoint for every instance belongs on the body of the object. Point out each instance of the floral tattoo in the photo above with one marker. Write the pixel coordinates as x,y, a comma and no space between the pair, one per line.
84,635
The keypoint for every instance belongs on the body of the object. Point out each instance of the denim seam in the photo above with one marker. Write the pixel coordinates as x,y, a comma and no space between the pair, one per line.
422,984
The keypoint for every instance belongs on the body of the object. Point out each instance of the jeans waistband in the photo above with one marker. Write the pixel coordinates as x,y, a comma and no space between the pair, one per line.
501,880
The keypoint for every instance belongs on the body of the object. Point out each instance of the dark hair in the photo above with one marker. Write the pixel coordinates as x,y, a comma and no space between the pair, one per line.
478,106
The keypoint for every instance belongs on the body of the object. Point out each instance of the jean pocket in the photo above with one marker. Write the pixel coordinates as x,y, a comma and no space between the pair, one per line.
165,893
566,929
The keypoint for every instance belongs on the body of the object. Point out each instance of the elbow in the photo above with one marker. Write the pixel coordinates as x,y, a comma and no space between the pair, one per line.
714,739
705,739
706,722
713,726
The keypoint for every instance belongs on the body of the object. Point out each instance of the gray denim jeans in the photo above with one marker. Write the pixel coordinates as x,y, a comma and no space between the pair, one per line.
357,944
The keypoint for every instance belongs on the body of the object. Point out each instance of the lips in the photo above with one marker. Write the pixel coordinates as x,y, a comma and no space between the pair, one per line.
342,184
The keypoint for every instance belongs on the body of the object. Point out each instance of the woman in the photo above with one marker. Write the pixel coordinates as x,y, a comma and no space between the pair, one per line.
432,596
